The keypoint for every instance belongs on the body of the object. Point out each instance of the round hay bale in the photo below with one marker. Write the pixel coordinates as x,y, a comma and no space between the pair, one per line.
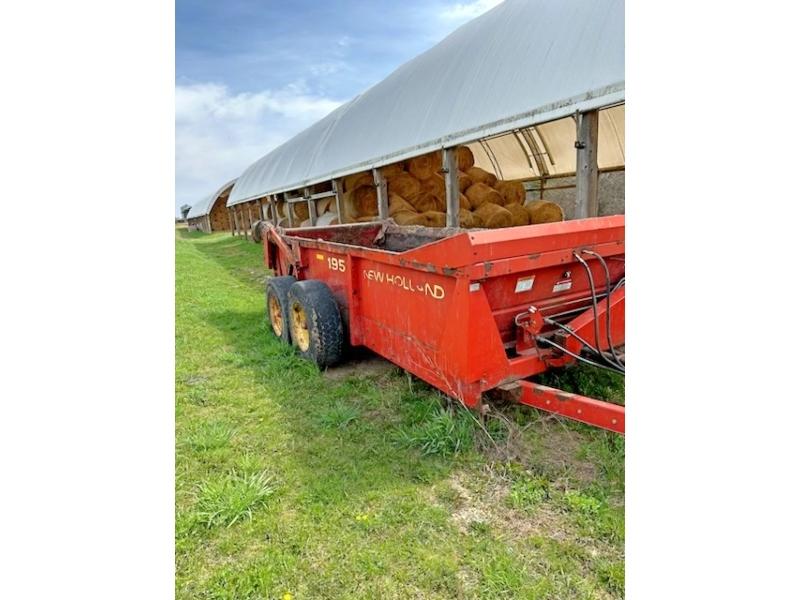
422,167
494,216
392,170
466,219
351,182
398,204
476,219
511,191
324,205
426,201
435,218
466,160
464,181
435,185
404,185
480,193
478,175
408,217
543,211
349,214
366,219
300,210
280,207
365,201
519,215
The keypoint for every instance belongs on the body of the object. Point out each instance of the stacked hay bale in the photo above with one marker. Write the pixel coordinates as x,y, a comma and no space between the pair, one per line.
487,194
542,211
487,204
417,195
300,211
360,198
425,166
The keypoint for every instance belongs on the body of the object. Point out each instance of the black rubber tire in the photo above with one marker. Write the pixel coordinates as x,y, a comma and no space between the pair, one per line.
325,329
279,288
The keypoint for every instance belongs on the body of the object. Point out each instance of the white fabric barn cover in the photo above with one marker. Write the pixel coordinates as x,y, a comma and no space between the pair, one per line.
523,63
202,208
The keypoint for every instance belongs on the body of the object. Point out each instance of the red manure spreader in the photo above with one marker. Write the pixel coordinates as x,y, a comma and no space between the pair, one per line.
466,311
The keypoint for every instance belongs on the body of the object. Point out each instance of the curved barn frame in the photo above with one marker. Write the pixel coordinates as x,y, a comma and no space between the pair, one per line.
210,213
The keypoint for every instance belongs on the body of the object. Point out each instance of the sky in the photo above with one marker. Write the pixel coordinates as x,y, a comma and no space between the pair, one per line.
251,74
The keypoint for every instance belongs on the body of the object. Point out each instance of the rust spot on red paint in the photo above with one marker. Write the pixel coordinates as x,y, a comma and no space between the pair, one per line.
424,266
450,271
535,255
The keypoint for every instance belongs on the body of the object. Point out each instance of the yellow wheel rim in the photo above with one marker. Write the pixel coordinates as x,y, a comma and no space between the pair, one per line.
275,315
299,326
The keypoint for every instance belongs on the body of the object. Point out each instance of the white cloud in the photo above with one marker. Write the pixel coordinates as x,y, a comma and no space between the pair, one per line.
218,134
464,11
211,100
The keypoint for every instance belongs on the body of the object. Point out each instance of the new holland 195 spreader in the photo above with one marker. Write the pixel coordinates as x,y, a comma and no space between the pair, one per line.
466,311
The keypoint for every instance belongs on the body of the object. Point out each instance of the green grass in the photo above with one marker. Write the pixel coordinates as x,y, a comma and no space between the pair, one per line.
232,498
372,485
209,435
337,416
527,493
440,430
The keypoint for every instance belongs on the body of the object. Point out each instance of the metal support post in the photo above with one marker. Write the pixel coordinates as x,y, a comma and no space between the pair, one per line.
452,193
586,176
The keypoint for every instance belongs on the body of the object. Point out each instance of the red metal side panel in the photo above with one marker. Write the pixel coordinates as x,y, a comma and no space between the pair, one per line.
402,314
584,324
496,244
333,268
445,310
551,290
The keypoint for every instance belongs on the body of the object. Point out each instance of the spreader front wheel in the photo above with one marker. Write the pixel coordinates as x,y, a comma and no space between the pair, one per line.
278,306
315,322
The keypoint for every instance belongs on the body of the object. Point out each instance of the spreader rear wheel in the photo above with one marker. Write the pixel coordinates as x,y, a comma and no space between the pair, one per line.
278,306
316,324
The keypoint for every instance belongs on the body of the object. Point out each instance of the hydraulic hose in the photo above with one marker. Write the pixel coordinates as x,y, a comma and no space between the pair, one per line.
594,300
608,307
609,367
580,339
